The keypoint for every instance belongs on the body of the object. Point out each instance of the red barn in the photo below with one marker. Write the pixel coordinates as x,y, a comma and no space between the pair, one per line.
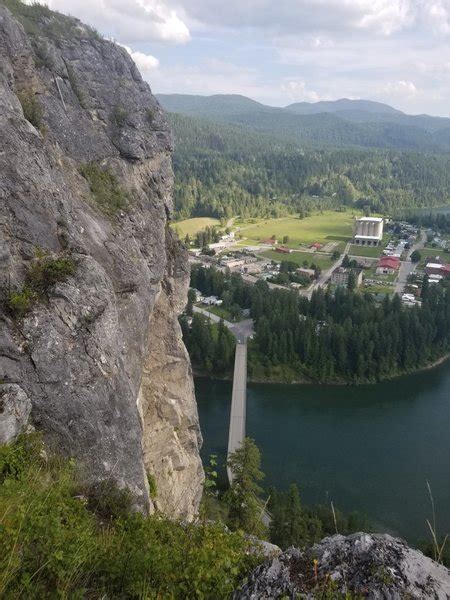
388,265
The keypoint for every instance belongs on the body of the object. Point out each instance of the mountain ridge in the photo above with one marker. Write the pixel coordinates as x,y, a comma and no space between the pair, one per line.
342,123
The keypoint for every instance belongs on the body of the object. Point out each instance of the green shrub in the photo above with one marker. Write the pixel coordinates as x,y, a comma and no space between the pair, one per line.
150,114
108,501
20,302
105,189
42,274
120,116
44,57
32,109
16,458
153,488
45,272
52,545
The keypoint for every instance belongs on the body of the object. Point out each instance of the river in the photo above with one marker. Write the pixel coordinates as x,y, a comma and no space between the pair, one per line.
368,448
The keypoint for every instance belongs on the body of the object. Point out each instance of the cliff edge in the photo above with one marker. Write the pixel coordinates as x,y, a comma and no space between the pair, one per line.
91,278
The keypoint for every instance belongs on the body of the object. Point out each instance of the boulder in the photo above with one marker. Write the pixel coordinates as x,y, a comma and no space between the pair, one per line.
378,567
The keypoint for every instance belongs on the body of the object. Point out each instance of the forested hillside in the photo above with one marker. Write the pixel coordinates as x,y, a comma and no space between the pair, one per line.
339,124
222,170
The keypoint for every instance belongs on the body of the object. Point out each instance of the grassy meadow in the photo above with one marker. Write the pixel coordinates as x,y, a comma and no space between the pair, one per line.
193,226
320,260
325,227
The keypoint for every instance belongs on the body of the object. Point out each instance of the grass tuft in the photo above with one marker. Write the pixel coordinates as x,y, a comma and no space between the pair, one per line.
105,189
32,108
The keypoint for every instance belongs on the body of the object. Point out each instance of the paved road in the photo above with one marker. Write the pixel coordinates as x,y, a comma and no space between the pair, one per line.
325,275
407,267
241,330
236,433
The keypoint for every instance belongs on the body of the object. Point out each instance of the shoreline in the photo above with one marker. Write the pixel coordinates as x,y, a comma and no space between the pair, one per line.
273,381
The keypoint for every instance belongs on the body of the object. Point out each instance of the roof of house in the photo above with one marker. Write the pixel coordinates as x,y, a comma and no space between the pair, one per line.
445,268
389,262
371,219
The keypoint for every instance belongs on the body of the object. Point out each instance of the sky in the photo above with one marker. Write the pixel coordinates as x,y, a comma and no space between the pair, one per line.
284,51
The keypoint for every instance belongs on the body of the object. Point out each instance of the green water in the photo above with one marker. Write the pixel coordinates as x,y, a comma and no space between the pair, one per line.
367,448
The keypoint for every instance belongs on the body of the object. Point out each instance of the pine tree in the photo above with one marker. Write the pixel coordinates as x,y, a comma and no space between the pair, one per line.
244,494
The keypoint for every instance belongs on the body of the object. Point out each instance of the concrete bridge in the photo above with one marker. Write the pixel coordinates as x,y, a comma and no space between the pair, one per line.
241,331
236,432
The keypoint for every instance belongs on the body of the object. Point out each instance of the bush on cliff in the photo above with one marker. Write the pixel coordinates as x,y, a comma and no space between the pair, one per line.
52,545
105,188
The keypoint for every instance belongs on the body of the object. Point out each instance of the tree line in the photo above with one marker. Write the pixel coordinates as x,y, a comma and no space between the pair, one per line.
340,336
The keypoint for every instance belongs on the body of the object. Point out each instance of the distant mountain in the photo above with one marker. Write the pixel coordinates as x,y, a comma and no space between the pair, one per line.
341,123
344,104
200,106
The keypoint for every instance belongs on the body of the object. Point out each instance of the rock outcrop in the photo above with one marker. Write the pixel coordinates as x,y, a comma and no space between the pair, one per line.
15,408
378,567
86,183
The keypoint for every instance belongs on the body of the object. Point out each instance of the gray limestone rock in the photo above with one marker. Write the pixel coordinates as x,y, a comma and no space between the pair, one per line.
378,567
15,408
80,352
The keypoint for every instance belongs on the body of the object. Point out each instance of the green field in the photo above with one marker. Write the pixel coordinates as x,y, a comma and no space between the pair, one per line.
220,312
193,226
325,227
381,279
320,260
367,251
427,252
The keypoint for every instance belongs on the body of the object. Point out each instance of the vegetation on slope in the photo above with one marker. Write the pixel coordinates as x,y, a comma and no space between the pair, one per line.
58,540
38,19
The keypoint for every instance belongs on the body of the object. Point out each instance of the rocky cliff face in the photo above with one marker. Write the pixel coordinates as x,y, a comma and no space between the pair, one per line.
91,278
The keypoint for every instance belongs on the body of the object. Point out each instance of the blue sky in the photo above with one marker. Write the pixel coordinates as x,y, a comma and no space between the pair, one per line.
279,52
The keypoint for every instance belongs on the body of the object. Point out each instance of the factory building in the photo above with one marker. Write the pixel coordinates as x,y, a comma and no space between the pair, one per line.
368,231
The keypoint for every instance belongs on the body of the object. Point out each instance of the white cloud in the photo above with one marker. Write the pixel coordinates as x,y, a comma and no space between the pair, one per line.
398,89
297,91
386,16
295,16
129,20
144,62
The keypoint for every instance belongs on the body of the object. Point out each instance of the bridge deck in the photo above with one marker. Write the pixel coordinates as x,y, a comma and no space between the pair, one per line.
238,401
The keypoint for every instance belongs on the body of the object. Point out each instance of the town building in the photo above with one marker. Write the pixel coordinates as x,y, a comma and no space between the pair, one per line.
368,231
315,246
269,242
283,250
304,272
212,301
432,268
340,276
387,265
232,262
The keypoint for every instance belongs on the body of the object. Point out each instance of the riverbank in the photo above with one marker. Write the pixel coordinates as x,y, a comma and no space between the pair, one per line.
368,448
199,373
